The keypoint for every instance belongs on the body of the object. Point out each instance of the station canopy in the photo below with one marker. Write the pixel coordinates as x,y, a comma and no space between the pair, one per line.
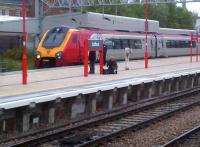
13,24
4,18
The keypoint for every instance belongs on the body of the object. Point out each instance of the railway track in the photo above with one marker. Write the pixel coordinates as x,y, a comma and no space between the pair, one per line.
102,132
96,130
189,138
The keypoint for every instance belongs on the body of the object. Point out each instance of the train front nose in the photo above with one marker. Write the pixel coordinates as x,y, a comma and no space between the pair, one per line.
44,61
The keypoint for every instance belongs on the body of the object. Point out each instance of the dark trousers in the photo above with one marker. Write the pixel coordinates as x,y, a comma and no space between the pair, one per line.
104,59
92,66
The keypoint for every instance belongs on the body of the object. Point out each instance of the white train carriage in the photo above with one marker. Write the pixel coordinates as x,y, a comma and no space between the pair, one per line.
175,45
136,42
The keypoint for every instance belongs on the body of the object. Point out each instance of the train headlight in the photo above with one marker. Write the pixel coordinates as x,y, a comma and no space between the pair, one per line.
37,55
59,55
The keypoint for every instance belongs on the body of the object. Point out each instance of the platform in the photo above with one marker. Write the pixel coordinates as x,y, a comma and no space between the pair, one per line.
72,76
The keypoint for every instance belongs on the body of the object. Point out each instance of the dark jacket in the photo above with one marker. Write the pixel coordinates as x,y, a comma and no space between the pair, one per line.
112,67
105,48
92,56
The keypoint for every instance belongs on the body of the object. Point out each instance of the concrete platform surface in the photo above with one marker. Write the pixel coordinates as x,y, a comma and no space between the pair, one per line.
72,76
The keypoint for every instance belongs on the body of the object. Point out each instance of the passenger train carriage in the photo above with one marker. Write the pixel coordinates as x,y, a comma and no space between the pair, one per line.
64,46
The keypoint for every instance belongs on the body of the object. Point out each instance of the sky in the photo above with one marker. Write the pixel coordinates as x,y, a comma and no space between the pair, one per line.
194,7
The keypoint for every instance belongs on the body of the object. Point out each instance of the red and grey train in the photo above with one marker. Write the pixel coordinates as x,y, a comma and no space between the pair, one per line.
65,46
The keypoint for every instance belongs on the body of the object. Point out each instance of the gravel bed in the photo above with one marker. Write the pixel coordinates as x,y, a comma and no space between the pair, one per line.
161,132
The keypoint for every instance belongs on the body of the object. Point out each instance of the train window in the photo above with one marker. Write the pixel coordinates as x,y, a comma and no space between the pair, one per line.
117,44
74,39
182,44
109,43
187,44
135,44
177,44
54,37
173,44
124,43
168,44
193,44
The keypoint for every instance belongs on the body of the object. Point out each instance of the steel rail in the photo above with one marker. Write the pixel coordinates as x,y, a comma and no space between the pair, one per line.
106,137
182,137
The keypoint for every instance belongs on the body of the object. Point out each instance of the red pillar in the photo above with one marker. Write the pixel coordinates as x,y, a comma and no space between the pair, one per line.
146,32
101,61
86,58
191,49
197,51
24,57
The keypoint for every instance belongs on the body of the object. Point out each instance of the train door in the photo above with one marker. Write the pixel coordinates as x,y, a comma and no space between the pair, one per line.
80,47
151,46
156,46
159,46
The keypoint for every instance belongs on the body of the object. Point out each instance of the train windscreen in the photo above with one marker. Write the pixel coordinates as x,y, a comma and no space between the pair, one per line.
55,37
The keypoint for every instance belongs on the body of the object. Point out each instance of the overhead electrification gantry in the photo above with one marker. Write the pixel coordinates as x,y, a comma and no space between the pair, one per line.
85,3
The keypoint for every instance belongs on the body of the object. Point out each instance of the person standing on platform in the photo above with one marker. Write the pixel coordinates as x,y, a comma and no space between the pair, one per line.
105,48
92,59
127,53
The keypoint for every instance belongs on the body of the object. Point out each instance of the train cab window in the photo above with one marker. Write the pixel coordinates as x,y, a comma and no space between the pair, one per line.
54,37
135,44
117,44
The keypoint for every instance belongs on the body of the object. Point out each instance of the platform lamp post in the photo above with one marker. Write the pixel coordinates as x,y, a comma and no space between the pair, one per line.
146,32
24,57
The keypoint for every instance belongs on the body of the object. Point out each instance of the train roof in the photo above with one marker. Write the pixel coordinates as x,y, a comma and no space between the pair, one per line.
113,22
176,31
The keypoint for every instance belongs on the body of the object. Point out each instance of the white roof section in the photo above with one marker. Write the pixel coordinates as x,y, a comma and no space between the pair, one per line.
113,22
98,20
176,31
4,18
13,24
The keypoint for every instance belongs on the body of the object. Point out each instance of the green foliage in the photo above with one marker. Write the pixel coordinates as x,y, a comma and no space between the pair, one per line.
168,15
14,54
11,59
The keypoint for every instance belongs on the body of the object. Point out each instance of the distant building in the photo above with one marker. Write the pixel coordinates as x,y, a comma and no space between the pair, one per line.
14,7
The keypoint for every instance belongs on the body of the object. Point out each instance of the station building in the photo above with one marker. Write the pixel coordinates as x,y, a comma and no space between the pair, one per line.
10,15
